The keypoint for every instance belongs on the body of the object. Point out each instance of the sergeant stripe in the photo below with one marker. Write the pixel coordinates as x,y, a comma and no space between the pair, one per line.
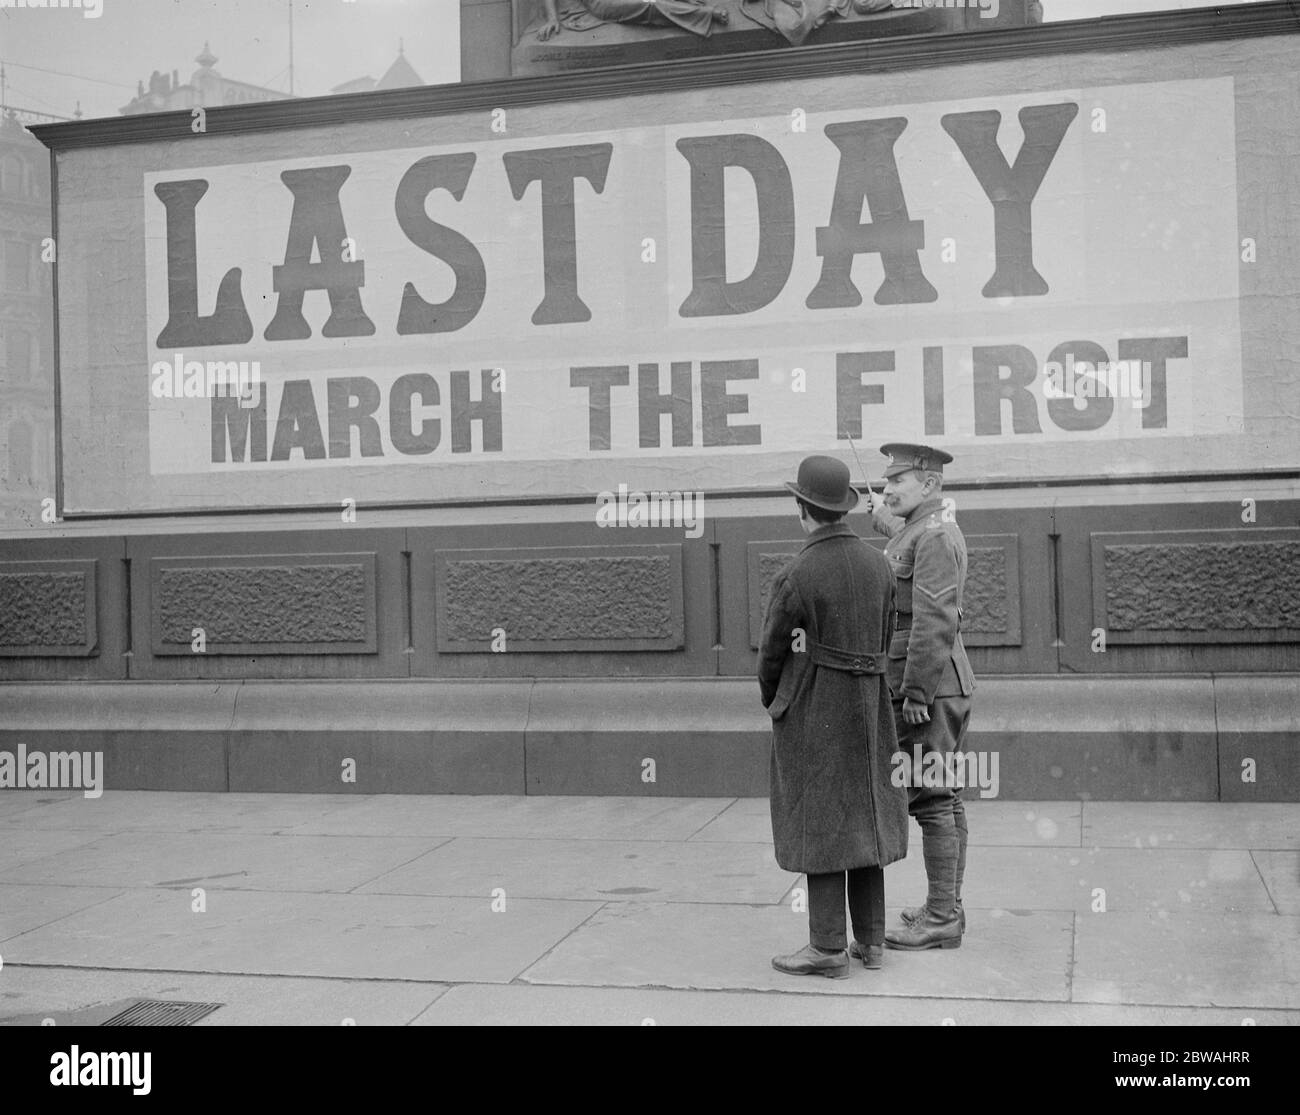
934,595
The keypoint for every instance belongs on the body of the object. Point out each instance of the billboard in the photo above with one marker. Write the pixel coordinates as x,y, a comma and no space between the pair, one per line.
679,292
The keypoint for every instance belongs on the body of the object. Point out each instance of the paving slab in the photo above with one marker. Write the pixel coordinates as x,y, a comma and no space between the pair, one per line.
28,907
1025,824
992,823
19,845
713,946
559,818
1225,960
1133,879
437,940
600,870
1191,825
738,826
905,882
122,810
75,996
1281,873
221,859
758,807
14,802
1201,925
535,1005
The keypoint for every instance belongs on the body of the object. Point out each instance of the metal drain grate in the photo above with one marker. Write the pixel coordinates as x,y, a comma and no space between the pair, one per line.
159,1012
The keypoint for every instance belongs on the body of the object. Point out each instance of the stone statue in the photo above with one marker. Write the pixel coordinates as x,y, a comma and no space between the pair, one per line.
797,19
582,15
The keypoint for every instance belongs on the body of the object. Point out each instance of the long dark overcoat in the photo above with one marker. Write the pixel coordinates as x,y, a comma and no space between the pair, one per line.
834,804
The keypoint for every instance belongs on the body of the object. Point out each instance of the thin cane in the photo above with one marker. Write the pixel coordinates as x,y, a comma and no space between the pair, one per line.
865,482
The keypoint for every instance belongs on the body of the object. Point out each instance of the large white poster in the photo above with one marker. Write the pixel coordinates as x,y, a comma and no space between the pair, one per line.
1050,283
1021,269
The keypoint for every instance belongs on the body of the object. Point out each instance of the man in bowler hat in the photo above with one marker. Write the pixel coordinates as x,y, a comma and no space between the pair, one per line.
836,815
930,678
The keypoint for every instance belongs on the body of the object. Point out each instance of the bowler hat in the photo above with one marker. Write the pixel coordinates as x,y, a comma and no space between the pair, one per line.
824,482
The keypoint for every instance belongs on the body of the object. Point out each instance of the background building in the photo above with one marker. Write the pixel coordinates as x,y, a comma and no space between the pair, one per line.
400,75
206,88
26,322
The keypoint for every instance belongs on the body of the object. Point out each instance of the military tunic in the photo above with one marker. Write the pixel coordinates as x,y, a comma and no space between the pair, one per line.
927,555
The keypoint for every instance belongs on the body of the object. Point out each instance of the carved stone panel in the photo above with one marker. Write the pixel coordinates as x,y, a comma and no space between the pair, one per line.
560,599
264,604
47,609
1223,586
991,598
764,561
991,613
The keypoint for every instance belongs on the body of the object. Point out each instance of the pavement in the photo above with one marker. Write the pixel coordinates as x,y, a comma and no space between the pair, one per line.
408,910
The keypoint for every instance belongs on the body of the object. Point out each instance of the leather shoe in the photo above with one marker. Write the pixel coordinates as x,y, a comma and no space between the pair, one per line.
925,934
811,961
914,914
872,956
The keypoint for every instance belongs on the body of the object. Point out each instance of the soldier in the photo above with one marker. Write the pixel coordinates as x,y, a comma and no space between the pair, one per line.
929,677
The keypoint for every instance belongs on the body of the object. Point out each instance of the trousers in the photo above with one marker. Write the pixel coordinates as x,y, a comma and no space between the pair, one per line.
938,809
866,894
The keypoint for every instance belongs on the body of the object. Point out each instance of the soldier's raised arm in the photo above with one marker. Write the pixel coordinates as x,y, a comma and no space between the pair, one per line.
883,521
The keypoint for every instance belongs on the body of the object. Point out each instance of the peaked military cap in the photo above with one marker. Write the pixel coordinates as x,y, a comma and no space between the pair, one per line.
907,457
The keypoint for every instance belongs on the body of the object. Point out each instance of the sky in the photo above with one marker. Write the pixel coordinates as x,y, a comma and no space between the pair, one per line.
56,58
98,61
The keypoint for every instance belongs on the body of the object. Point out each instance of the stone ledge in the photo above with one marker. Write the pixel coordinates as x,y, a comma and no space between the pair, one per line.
114,706
1094,703
1059,738
647,706
1258,703
427,707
